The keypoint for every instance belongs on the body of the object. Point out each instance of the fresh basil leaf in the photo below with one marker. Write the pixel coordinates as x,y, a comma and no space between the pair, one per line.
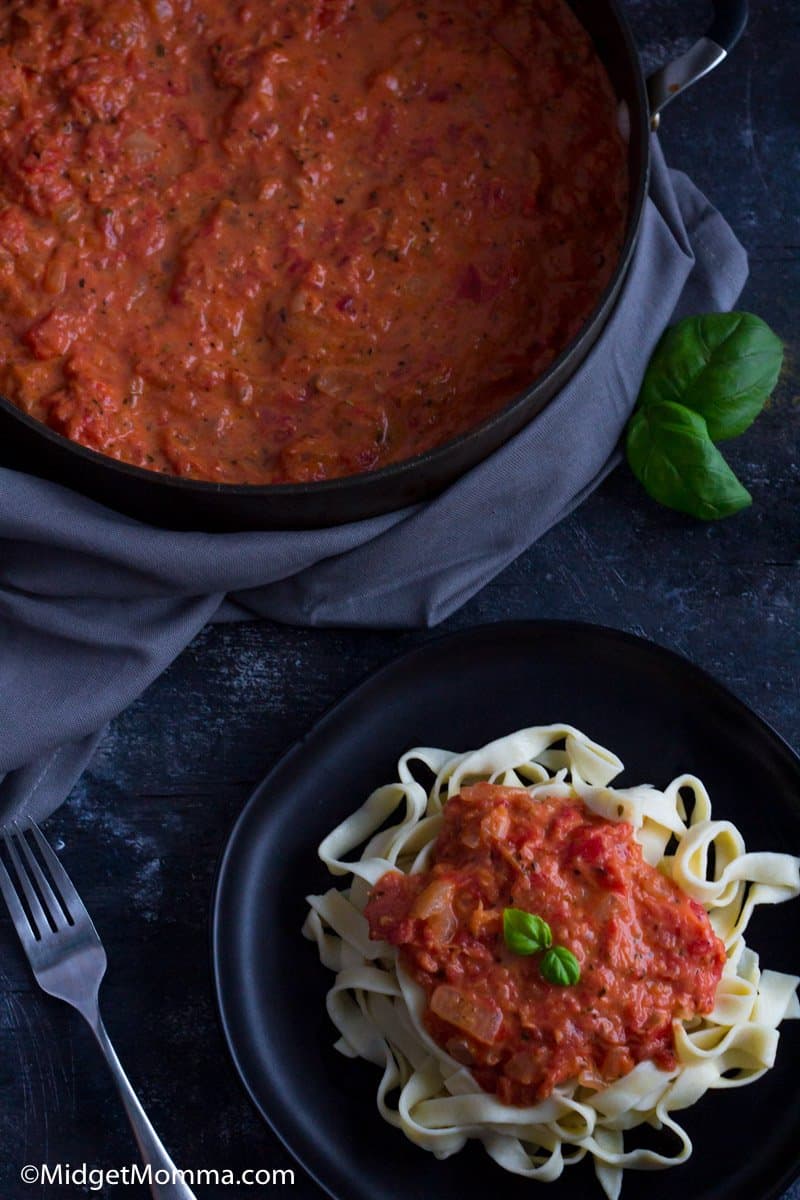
560,966
524,932
723,366
672,456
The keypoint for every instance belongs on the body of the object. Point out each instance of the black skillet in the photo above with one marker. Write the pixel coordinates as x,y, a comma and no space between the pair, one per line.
28,445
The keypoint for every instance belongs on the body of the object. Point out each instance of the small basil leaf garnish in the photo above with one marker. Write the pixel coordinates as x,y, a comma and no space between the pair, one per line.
723,366
672,456
560,966
524,932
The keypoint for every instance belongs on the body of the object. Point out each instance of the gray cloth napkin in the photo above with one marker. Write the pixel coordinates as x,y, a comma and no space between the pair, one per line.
93,606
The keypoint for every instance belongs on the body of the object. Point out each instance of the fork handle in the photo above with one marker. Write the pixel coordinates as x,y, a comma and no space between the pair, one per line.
150,1145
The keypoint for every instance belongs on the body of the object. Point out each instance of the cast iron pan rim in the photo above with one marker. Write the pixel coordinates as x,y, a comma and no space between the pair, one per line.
522,628
439,455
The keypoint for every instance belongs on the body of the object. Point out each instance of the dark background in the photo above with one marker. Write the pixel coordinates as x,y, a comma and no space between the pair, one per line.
143,829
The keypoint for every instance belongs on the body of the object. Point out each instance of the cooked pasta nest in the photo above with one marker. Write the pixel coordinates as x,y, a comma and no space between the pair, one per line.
377,1008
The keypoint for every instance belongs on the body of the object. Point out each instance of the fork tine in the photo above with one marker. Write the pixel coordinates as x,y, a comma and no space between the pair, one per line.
23,925
50,899
72,901
34,904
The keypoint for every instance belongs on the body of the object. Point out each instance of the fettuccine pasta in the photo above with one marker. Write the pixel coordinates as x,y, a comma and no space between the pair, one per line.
377,1006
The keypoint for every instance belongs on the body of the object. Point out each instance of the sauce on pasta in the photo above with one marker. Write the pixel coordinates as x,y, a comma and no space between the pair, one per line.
273,241
647,952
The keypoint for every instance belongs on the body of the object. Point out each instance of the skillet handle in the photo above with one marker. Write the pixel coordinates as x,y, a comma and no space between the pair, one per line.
730,18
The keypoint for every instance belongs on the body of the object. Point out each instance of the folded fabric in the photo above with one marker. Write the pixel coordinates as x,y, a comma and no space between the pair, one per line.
93,605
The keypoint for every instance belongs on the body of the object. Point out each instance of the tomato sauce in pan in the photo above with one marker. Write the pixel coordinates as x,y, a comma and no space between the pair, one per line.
648,954
266,241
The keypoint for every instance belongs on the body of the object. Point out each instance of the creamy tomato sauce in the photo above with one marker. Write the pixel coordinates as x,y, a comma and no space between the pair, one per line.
284,240
648,954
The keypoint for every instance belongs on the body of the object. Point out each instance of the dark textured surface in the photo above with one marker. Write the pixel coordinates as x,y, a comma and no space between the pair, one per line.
142,832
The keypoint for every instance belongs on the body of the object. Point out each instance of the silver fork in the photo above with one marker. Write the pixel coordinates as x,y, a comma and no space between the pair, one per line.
68,961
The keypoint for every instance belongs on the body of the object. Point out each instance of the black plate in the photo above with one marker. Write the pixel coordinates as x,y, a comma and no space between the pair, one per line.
663,716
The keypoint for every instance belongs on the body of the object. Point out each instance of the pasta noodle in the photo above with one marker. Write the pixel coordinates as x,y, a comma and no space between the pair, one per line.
377,1008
